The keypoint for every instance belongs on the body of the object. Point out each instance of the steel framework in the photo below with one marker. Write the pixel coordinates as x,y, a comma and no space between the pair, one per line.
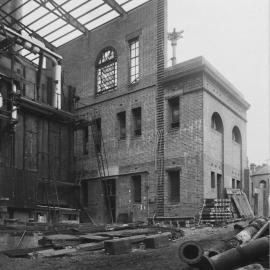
57,22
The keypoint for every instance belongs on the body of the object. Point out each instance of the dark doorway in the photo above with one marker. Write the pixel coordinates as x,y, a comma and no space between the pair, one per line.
219,186
109,187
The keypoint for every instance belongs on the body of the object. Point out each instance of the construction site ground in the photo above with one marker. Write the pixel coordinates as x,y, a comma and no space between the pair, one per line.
165,258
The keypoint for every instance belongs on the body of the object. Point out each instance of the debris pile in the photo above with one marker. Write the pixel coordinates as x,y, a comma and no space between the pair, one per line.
113,239
249,246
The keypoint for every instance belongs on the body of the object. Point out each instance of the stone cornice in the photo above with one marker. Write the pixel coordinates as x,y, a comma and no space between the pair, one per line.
200,64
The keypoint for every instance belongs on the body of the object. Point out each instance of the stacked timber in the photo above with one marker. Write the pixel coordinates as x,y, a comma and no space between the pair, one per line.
216,211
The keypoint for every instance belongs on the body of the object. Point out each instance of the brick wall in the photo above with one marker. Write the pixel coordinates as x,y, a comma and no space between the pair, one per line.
216,99
184,145
132,155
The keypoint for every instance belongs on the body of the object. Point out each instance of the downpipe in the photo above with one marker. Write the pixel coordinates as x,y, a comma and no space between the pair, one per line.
57,69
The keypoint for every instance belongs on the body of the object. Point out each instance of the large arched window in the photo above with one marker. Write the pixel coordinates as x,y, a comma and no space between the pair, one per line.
106,70
236,135
216,122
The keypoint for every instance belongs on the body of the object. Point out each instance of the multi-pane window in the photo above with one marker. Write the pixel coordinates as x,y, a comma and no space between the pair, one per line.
213,180
137,121
121,118
106,71
137,188
174,186
174,112
134,60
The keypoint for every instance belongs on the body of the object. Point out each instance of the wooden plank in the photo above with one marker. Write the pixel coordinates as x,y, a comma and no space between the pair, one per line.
90,246
93,238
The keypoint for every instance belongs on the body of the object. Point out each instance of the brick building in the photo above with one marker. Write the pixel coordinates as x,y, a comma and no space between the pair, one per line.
260,176
167,137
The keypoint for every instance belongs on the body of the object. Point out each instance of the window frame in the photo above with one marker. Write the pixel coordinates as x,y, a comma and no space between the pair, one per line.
136,59
137,128
174,103
99,66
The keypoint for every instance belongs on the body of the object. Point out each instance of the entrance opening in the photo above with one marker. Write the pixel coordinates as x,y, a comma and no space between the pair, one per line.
109,187
219,186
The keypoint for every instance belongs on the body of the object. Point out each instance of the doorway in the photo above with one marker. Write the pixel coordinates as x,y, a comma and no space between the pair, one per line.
109,188
219,186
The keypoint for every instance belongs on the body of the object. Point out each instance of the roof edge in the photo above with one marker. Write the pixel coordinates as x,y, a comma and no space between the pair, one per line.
201,64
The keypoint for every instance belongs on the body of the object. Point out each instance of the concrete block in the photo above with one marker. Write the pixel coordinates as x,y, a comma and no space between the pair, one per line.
117,246
157,240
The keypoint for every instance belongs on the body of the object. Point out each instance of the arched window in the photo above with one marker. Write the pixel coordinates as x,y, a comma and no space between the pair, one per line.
236,135
106,70
216,122
262,184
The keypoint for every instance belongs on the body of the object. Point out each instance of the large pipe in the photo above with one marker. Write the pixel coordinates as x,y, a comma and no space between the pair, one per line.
248,232
230,259
27,41
191,252
237,257
263,231
57,95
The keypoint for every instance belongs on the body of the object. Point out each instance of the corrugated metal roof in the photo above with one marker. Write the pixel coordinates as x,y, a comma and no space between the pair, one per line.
56,22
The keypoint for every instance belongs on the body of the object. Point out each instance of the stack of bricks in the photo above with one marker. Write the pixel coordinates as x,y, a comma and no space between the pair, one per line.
216,211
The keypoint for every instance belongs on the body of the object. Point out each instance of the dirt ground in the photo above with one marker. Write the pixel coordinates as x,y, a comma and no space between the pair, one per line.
158,259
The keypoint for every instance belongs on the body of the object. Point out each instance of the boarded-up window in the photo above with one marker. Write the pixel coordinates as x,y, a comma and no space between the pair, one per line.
213,180
30,143
174,186
137,188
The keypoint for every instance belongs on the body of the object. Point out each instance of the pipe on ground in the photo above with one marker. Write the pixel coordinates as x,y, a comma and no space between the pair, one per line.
230,259
249,231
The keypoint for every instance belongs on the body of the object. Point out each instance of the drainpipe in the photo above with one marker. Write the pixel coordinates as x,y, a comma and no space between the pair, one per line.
14,112
56,98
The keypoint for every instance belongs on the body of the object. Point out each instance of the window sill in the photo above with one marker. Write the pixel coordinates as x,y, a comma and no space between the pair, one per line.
98,94
134,84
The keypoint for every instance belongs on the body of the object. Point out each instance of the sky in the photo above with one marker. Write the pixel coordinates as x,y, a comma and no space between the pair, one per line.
233,35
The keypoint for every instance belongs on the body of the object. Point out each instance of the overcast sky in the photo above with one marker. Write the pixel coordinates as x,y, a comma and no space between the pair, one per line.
233,35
